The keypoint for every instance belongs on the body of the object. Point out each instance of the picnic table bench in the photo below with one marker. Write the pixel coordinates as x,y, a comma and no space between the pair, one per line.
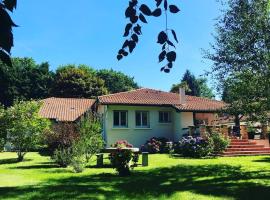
112,150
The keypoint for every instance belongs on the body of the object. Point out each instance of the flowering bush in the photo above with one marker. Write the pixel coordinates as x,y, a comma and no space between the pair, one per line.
194,147
156,145
121,158
220,143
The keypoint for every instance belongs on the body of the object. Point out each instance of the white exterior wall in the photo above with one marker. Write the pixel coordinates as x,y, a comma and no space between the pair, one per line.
138,136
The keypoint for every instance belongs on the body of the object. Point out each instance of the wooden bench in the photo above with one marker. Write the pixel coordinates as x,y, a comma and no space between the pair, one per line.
112,150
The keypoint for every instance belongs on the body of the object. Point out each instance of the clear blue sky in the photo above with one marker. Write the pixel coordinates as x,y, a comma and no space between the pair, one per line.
90,32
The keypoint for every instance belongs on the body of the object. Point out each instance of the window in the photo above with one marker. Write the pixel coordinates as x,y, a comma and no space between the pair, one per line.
142,119
165,117
120,118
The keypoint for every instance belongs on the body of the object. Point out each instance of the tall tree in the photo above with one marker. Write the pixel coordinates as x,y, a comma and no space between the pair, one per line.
25,126
193,86
24,80
241,56
77,82
116,81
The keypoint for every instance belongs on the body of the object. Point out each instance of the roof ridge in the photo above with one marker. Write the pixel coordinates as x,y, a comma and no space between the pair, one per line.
122,92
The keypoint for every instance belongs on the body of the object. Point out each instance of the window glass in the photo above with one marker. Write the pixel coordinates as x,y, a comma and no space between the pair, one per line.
116,118
164,117
142,119
120,119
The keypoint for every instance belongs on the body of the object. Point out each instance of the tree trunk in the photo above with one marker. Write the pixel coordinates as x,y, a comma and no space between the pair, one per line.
20,156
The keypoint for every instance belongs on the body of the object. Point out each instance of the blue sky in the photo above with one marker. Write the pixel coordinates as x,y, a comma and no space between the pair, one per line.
90,32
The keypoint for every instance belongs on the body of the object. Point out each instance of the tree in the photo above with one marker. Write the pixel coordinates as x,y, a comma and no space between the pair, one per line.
25,126
77,82
3,128
205,91
193,86
24,80
117,81
241,56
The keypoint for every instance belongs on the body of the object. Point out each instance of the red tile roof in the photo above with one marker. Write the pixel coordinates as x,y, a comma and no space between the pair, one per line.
65,109
146,96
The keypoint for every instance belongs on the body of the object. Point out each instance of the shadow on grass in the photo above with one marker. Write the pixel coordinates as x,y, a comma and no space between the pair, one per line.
213,180
12,161
266,159
40,166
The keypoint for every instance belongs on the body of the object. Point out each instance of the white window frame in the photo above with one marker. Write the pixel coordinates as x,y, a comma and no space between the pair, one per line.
169,117
119,125
141,119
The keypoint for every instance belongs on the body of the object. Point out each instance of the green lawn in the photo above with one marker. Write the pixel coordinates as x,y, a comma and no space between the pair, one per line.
166,178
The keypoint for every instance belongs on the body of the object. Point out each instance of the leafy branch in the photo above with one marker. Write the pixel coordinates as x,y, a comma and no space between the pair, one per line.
6,25
133,30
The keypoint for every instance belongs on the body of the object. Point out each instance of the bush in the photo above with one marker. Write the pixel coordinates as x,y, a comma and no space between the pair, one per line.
121,158
63,156
62,136
220,143
194,147
156,145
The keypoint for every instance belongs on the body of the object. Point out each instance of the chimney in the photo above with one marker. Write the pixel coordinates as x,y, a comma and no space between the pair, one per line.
182,95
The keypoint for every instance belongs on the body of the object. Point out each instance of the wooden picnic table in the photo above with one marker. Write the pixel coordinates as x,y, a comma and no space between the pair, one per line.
112,150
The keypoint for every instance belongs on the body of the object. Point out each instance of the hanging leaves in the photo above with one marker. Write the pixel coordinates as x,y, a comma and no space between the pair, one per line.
158,2
145,10
6,35
174,35
142,18
157,12
10,4
162,37
174,9
133,30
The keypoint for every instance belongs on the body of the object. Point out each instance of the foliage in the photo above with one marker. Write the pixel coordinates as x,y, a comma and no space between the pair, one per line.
116,81
241,57
137,15
90,140
156,145
193,86
220,143
24,80
77,82
63,156
61,136
6,26
25,126
121,158
3,128
196,147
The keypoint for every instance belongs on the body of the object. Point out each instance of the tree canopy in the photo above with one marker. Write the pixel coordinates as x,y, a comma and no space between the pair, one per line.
241,56
77,82
193,86
116,81
24,80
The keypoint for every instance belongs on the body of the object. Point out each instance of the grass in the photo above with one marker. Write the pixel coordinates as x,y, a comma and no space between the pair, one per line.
166,178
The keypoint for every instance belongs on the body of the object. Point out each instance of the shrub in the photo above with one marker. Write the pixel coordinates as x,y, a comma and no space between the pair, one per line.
120,159
63,156
194,147
156,145
90,139
77,166
62,136
220,143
